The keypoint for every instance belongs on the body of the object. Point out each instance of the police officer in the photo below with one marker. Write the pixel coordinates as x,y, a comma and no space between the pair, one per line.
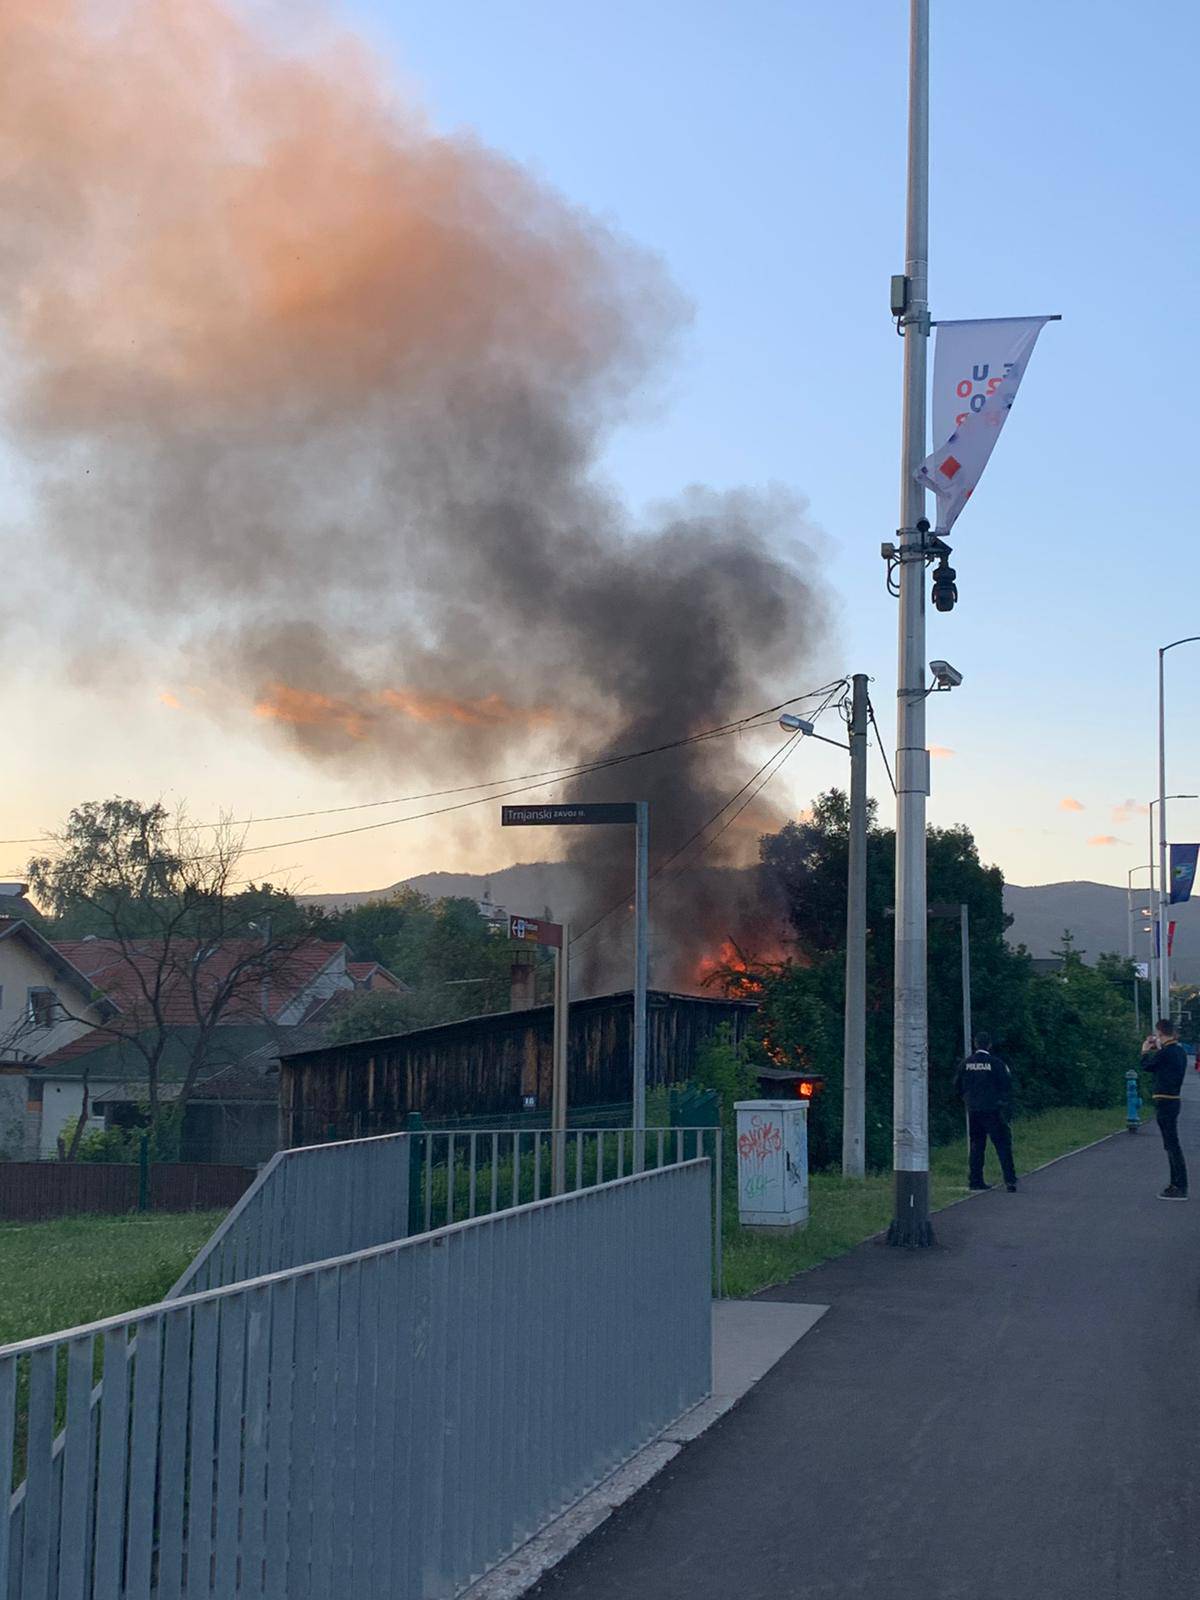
986,1086
1165,1057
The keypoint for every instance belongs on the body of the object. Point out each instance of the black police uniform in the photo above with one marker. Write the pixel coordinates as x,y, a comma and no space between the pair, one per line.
986,1085
1168,1067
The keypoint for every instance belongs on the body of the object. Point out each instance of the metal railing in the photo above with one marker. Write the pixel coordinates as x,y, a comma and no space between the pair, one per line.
393,1422
460,1174
308,1204
324,1200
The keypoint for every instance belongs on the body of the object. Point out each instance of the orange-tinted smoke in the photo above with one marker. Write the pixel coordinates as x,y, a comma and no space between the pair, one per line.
195,219
307,708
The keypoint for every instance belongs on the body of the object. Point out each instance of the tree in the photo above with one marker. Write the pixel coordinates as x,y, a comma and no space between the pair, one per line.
184,948
1067,1034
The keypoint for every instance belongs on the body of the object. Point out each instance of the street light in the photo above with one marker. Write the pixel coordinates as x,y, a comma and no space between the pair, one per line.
1137,994
1161,993
1164,969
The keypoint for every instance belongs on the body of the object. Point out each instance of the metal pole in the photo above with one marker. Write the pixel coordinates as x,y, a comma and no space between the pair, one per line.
1137,999
1153,904
1164,890
968,1030
910,1225
558,1087
641,976
854,1070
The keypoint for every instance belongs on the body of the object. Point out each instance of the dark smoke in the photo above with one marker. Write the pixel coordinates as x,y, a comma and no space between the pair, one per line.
317,395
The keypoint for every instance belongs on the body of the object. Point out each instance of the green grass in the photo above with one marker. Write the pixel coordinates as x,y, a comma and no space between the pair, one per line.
59,1274
842,1212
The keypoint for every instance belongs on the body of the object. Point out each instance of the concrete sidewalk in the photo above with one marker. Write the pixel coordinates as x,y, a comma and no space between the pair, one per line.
1013,1415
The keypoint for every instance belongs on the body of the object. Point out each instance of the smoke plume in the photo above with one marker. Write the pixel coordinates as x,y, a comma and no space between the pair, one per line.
314,394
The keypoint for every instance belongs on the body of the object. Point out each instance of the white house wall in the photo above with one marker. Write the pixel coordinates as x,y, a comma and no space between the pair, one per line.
22,969
61,1103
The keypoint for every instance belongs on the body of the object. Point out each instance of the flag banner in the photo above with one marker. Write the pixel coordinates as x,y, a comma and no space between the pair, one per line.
977,370
1183,871
1170,939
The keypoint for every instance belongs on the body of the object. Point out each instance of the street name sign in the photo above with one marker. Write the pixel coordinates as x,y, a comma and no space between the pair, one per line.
568,816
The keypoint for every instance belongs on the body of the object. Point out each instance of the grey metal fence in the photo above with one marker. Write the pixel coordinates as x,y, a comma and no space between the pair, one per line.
309,1204
324,1200
457,1174
390,1423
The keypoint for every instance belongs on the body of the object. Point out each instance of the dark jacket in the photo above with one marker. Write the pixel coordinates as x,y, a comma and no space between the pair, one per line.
985,1083
1168,1066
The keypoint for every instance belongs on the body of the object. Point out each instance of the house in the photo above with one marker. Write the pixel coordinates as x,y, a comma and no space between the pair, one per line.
46,1004
497,1065
215,1013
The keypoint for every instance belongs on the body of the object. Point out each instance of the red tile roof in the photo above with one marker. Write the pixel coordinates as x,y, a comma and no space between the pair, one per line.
144,982
372,974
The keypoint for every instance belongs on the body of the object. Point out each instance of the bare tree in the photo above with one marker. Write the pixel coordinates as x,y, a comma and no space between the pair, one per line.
182,946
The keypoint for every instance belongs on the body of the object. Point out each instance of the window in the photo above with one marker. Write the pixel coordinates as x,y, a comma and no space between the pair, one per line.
42,1006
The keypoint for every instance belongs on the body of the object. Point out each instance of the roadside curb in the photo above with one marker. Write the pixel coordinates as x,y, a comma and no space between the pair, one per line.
749,1338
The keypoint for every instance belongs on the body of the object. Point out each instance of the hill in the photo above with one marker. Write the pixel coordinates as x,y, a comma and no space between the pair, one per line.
1094,912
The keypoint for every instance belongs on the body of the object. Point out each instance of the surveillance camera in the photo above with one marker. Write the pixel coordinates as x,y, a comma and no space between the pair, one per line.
948,677
793,724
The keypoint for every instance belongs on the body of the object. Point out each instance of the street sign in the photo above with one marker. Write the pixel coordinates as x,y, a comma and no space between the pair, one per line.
636,813
568,816
526,930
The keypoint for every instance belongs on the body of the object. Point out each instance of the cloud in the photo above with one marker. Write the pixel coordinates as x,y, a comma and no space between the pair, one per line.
1100,840
166,698
1128,809
1069,803
939,752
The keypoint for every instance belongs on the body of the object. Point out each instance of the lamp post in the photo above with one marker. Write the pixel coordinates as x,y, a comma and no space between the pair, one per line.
1137,988
1161,993
1164,959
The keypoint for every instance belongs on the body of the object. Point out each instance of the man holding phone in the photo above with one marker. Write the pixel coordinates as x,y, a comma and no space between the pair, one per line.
1166,1059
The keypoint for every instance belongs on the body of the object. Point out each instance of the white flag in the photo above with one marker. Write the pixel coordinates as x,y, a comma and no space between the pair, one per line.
977,369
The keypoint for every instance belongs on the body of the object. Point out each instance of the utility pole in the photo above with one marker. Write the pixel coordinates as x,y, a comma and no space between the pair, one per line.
854,1079
910,1224
562,1033
641,977
1164,887
968,1030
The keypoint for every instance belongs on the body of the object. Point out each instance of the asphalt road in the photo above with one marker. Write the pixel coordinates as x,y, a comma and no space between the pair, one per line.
1013,1415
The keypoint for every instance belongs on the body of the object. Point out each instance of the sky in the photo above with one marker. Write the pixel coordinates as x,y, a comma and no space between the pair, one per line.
758,150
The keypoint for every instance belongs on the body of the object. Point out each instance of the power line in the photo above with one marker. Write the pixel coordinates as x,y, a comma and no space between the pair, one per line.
774,761
879,742
746,724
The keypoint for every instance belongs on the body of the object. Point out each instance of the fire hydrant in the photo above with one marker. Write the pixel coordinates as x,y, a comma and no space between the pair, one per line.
1133,1103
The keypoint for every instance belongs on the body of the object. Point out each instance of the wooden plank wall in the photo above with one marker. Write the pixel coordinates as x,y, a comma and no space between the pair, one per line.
488,1065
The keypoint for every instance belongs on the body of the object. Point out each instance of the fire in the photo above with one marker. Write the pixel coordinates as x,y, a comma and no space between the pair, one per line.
737,972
